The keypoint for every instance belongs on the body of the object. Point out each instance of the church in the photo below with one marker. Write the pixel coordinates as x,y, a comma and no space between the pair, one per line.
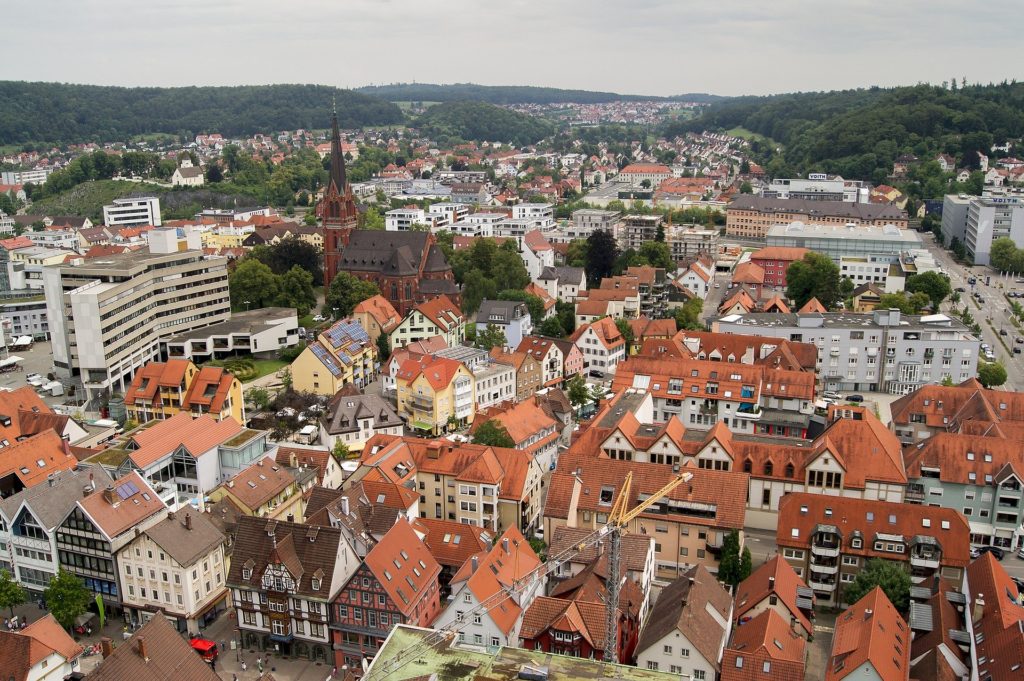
408,267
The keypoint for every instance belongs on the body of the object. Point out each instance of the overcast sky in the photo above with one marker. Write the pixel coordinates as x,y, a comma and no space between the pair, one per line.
659,47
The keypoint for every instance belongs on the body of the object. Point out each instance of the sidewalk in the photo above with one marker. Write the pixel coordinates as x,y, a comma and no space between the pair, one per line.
221,630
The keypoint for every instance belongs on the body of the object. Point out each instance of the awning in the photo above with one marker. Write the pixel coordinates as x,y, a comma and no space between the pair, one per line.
422,425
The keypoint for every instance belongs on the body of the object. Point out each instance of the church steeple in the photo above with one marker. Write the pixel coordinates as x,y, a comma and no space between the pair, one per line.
337,157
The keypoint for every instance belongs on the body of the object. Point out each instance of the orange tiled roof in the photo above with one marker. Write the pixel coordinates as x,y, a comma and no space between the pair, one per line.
646,168
783,253
197,435
445,314
957,457
154,376
209,390
35,457
133,501
871,631
748,273
752,591
765,642
522,421
401,554
381,309
451,543
1002,619
259,483
812,305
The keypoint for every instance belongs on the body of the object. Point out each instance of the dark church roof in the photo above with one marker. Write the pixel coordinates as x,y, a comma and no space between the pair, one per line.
392,253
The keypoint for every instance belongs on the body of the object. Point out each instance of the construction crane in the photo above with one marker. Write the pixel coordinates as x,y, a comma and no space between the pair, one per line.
618,520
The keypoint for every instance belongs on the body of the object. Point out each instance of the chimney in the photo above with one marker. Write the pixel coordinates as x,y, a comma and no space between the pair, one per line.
188,522
92,483
476,564
106,647
50,479
140,643
504,545
979,609
868,612
771,583
170,515
344,506
110,495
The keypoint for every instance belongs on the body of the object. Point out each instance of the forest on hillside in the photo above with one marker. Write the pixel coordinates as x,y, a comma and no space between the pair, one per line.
479,121
59,113
858,133
508,94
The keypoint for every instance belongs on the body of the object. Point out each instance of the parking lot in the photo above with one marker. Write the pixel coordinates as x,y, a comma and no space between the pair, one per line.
36,360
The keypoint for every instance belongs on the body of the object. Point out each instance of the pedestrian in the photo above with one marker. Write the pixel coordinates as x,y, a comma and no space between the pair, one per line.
259,664
234,677
244,666
334,671
213,664
7,623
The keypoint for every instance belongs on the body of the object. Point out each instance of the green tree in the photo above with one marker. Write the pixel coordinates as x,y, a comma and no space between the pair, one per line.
491,337
578,392
627,333
258,397
372,219
601,256
309,219
66,597
383,347
991,374
566,313
340,451
1002,255
729,566
11,593
687,316
846,288
887,574
345,292
494,434
253,285
296,290
933,284
576,253
533,303
746,188
551,327
214,174
816,276
657,254
746,563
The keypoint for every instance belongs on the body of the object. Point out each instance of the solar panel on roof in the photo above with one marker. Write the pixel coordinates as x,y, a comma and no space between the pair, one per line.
321,353
127,489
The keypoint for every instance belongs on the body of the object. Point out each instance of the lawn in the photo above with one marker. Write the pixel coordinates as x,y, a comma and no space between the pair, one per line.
265,367
749,135
247,369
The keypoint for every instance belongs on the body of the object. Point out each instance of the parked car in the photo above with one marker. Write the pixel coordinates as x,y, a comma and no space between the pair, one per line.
1002,332
996,552
717,285
854,398
960,289
1019,340
830,395
319,318
596,374
1016,350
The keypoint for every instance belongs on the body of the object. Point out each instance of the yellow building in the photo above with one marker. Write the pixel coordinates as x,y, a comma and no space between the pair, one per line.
160,390
267,489
224,238
342,354
434,393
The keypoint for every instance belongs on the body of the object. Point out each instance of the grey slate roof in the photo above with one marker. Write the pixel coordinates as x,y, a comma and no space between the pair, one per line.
51,503
507,310
397,253
348,410
563,274
184,545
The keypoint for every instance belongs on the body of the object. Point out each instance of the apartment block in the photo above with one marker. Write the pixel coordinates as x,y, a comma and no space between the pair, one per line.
828,540
882,351
752,216
637,229
586,221
162,389
132,212
817,187
109,317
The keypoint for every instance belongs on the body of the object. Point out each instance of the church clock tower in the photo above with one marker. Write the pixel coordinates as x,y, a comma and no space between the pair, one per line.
337,209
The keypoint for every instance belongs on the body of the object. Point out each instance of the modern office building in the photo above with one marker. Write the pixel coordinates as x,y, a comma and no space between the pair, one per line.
884,351
108,317
752,216
817,187
977,221
838,240
132,212
588,220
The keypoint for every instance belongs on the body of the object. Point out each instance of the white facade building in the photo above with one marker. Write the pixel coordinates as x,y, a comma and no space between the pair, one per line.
495,383
133,212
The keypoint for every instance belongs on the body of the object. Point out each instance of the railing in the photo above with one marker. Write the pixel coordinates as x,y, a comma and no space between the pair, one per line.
827,550
825,569
914,494
821,586
924,562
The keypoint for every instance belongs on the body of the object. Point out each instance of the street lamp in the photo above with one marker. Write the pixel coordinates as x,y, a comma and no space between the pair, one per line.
246,302
335,313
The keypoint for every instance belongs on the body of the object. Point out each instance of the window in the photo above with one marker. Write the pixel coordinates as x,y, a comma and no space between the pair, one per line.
667,650
652,665
684,652
495,641
698,675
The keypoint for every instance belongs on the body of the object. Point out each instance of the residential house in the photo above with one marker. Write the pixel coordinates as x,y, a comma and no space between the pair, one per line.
187,176
495,382
284,578
547,301
867,297
510,316
645,329
602,345
577,627
436,317
435,394
688,525
451,544
397,583
365,510
828,540
99,526
749,275
622,302
32,459
377,316
762,649
940,624
537,254
559,359
490,487
995,618
42,651
341,355
354,419
698,277
328,469
531,429
980,477
871,640
156,651
159,390
934,409
688,627
529,372
419,351
774,261
563,283
776,588
510,564
29,522
175,568
267,490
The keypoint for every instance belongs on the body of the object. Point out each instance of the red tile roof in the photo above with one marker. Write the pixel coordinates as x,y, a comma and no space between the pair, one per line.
35,457
209,390
774,577
871,631
451,543
1001,625
445,314
403,566
130,501
784,253
198,436
764,649
381,309
259,483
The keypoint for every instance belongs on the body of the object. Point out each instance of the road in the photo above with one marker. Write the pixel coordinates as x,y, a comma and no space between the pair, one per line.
715,296
992,314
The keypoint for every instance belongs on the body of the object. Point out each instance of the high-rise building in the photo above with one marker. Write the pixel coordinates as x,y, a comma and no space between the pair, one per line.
977,221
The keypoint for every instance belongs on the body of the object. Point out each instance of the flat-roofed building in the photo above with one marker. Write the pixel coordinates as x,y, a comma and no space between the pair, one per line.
752,216
844,240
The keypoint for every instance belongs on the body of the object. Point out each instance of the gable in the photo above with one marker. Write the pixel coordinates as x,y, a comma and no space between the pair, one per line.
825,461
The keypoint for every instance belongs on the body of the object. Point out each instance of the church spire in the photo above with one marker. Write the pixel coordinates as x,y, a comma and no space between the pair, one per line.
337,157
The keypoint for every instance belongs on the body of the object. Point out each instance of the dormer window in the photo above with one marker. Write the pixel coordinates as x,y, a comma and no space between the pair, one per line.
246,573
316,584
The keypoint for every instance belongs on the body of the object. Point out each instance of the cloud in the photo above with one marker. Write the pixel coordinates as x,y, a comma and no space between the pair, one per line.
643,46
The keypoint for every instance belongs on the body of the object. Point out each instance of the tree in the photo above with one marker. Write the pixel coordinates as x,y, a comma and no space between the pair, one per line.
533,303
383,347
252,285
566,313
846,288
816,276
259,397
214,174
309,219
991,374
578,392
372,219
340,451
746,188
688,315
729,565
493,434
295,289
1002,255
933,284
285,255
11,593
66,597
627,333
746,563
601,256
491,337
551,327
576,253
890,575
900,301
345,292
657,254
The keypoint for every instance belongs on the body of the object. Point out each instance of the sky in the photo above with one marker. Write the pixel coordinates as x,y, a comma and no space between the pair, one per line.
656,47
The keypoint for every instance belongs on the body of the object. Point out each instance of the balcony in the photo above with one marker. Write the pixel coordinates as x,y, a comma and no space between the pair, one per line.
751,414
818,585
709,408
914,494
825,569
928,562
825,549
